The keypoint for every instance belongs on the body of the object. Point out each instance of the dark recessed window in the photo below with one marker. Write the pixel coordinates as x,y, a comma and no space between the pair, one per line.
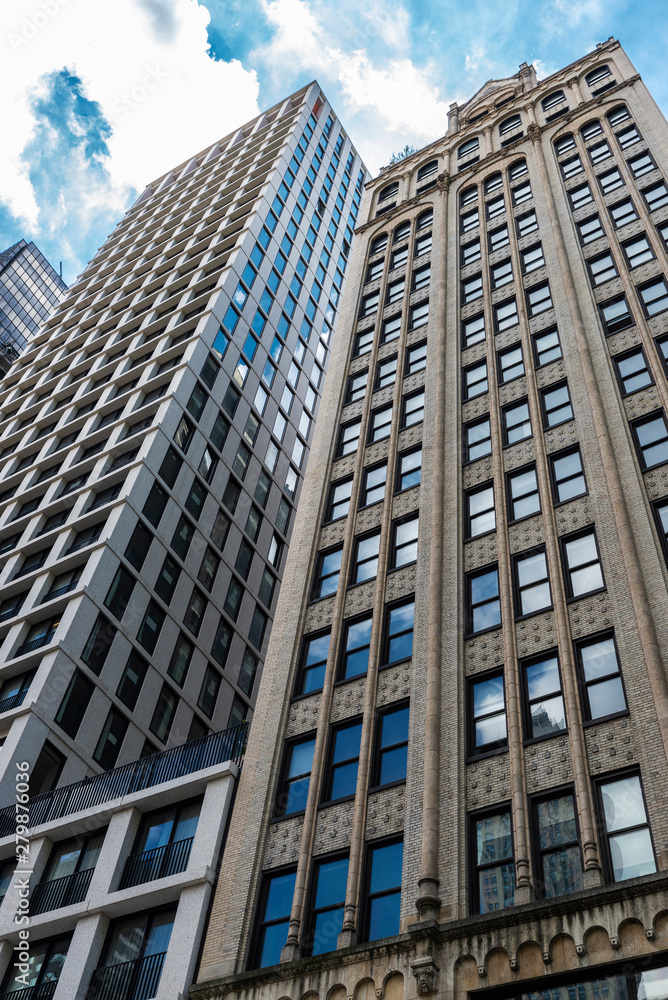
487,708
615,315
392,746
628,847
559,861
382,903
328,571
632,371
582,564
313,663
483,603
493,872
149,630
409,469
532,583
275,908
478,438
340,780
357,640
480,512
600,678
523,495
326,921
73,706
132,679
120,592
111,739
651,435
98,644
516,423
544,714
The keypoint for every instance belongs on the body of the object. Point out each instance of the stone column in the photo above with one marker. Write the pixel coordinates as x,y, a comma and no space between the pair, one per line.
83,956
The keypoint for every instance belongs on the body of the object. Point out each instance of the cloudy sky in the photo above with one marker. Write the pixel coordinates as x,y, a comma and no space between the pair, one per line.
101,96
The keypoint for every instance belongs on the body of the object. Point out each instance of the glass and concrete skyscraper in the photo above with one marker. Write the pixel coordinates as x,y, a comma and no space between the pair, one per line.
153,437
456,780
29,290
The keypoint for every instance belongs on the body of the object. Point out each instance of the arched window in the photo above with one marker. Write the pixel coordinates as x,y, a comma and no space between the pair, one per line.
468,196
467,147
518,169
378,244
564,143
591,129
428,170
593,78
425,219
509,124
553,100
388,191
493,183
618,115
401,232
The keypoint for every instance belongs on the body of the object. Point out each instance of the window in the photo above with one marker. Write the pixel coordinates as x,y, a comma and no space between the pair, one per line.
339,499
494,871
340,779
498,238
610,180
523,495
532,585
545,714
628,841
475,380
615,315
370,304
327,576
632,371
557,845
656,195
399,257
365,564
495,206
349,438
568,479
600,678
258,627
487,708
72,707
168,577
484,603
641,164
67,875
380,424
662,347
357,386
478,439
539,299
601,151
596,75
416,359
275,908
472,288
329,894
557,407
111,739
196,499
363,342
313,663
421,278
470,253
410,467
209,566
405,542
373,489
428,170
155,504
388,191
149,630
580,196
378,244
184,434
375,270
413,409
424,219
131,680
571,166
386,373
401,232
590,229
183,651
651,436
526,223
505,315
470,220
623,212
120,592
601,268
508,124
582,563
45,966
473,331
516,423
511,363
382,904
563,144
171,465
467,148
422,245
502,274
395,291
654,296
552,101
532,258
399,624
480,513
182,537
98,644
391,329
357,640
419,315
618,115
392,747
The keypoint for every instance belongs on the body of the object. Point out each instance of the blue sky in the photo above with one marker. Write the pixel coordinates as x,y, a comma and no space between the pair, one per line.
99,98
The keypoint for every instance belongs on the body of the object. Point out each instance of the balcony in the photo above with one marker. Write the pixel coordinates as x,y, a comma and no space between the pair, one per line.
60,892
7,704
41,640
156,863
147,772
138,980
44,991
59,591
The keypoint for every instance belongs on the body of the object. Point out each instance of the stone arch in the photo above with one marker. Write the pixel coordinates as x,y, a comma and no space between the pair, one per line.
660,925
310,995
530,960
631,934
497,965
365,989
393,986
337,992
597,945
465,977
563,954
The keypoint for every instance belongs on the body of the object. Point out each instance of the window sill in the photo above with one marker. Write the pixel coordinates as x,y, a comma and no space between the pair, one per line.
336,802
389,784
590,593
541,739
606,718
532,614
483,534
560,503
279,819
474,758
483,631
395,663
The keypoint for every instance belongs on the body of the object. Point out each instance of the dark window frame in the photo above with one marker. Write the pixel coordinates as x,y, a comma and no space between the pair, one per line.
584,685
496,747
572,537
528,661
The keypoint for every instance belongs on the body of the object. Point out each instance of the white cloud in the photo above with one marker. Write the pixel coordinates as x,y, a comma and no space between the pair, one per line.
144,61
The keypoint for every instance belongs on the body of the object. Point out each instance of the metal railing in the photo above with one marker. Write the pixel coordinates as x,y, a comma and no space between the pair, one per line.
159,862
146,772
60,891
59,591
44,991
138,980
14,700
41,640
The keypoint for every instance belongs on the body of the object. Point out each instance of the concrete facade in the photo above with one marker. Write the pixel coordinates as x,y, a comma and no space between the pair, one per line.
541,548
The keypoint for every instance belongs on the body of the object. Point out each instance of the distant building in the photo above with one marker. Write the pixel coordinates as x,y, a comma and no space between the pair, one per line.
29,290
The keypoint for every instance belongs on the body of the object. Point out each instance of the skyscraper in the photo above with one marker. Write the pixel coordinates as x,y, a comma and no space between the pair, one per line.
456,780
29,290
154,436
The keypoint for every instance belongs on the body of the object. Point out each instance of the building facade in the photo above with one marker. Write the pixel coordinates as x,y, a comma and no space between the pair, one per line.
456,781
29,290
154,436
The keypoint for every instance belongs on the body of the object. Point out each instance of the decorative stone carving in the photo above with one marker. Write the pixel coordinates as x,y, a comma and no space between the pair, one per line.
426,973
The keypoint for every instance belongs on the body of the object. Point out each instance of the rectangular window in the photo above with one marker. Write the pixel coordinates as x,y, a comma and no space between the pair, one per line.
544,714
470,220
386,373
340,780
382,904
98,644
313,663
523,495
511,363
590,229
373,489
526,223
559,862
567,475
495,207
208,694
380,424
155,504
580,196
328,571
179,663
395,291
131,680
473,331
516,423
422,245
538,299
532,584
654,296
656,195
601,269
487,714
571,167
357,386
532,258
478,438
120,592
582,564
556,403
638,251
363,342
110,741
275,908
472,288
505,315
419,315
357,640
149,630
168,577
615,315
329,894
392,747
182,537
521,193
404,549
502,274
651,435
599,152
629,851
632,371
73,706
480,513
391,329
413,409
365,563
483,601
470,253
370,304
600,678
475,380
409,469
399,624
339,499
610,180
546,347
494,869
623,212
233,599
416,359
498,238
421,278
258,627
641,164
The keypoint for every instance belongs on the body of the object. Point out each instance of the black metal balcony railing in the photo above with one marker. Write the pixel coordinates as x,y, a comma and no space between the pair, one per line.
138,980
59,591
43,991
159,862
147,772
41,640
60,891
14,700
